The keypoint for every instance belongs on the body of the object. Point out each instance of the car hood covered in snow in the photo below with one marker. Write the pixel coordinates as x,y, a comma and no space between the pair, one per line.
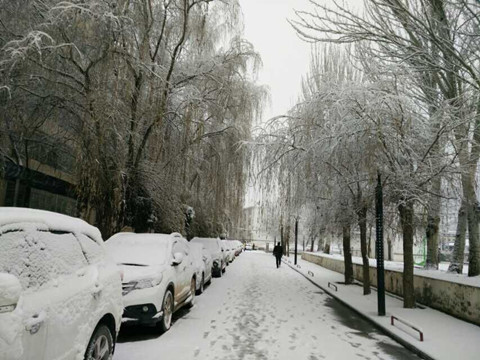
135,273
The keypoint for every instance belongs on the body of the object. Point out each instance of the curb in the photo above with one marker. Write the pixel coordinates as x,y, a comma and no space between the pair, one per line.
380,327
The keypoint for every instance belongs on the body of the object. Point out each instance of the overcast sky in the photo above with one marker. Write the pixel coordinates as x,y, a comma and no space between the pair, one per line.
285,57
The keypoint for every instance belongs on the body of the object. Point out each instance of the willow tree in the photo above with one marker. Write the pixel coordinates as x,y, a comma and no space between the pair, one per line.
436,42
141,84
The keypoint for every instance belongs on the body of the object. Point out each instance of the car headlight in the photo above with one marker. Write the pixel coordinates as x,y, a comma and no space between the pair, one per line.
147,283
141,284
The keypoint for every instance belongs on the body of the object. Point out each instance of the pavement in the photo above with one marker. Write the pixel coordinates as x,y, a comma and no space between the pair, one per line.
258,312
444,336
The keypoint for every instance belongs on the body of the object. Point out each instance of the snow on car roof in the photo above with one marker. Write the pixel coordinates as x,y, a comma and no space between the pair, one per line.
210,243
145,249
128,237
52,220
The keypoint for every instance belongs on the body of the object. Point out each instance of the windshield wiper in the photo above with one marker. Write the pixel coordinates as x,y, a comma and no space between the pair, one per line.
128,264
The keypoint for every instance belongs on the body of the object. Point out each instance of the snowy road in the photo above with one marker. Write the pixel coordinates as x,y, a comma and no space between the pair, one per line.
256,311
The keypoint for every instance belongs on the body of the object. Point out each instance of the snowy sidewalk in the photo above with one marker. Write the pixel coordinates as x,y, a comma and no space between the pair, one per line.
445,337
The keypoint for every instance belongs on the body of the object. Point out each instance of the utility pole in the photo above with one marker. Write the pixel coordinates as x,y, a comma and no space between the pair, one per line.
296,239
379,248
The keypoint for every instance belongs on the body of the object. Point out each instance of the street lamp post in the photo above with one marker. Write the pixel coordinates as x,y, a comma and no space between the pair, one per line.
379,248
296,239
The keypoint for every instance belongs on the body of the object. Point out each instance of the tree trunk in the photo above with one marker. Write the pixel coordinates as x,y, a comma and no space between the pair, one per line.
362,223
406,219
347,255
473,240
389,248
456,265
433,222
313,244
326,249
468,185
370,255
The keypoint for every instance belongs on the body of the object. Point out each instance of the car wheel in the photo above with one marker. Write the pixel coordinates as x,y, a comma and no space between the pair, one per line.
100,346
167,308
202,286
193,287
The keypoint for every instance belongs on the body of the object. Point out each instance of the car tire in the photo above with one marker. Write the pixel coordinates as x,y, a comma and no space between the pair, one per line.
193,289
167,307
100,346
202,286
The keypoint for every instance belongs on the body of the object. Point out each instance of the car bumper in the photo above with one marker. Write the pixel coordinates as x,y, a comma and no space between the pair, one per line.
135,301
146,314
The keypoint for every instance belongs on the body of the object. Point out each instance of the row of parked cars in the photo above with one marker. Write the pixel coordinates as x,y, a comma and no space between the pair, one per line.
64,292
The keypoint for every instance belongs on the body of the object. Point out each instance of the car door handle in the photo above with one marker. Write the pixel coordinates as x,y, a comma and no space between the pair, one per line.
35,323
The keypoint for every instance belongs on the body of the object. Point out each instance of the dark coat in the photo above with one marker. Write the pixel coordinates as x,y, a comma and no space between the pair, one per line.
278,251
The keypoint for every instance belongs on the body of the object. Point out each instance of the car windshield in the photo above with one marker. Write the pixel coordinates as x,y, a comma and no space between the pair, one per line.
37,257
210,244
138,249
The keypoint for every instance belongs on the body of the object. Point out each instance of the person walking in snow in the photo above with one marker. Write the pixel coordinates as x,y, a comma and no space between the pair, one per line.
277,252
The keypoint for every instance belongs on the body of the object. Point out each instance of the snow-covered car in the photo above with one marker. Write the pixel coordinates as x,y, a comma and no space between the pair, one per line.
224,252
159,276
249,246
214,247
229,251
237,246
60,294
203,265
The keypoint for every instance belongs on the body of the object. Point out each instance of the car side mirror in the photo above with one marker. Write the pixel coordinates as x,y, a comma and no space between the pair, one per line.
177,258
10,290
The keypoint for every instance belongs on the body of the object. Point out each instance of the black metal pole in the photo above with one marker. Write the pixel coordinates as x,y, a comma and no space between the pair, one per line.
296,239
379,248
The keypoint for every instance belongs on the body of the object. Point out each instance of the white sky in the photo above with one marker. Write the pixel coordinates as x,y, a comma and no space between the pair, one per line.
285,57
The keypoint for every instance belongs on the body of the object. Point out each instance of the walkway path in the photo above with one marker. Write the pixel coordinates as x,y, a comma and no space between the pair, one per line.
256,311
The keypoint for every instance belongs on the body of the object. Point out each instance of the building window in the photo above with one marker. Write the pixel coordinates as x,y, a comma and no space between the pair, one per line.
40,199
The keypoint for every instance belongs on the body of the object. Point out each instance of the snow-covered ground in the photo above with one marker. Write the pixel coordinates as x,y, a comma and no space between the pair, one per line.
256,311
445,337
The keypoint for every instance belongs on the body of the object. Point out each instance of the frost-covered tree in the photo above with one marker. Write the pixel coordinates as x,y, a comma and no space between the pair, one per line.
155,96
437,42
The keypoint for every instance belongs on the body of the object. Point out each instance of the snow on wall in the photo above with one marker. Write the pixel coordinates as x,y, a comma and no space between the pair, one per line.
455,295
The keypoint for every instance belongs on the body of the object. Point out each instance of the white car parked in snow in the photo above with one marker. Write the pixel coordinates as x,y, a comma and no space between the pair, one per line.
229,251
214,247
238,247
203,265
60,295
159,276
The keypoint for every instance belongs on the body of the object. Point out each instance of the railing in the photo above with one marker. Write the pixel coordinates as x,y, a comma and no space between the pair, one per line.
393,318
334,286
